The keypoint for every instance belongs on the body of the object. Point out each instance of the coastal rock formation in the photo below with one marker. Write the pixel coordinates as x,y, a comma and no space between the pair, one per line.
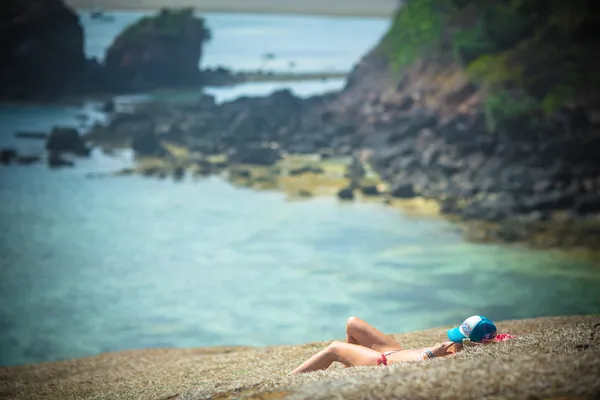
435,116
457,127
42,53
160,51
41,49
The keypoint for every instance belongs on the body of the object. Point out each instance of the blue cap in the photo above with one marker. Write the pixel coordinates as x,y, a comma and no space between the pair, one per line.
476,328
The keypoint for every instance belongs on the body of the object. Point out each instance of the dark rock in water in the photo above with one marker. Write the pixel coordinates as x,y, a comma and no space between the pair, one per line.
7,156
178,173
160,51
346,193
32,135
28,159
256,154
403,190
55,160
370,190
66,140
147,144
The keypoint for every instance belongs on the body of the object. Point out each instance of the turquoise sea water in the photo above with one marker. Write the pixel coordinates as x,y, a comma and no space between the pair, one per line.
93,265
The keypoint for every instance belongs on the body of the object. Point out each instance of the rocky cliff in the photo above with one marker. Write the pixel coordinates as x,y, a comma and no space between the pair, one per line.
491,109
41,48
42,54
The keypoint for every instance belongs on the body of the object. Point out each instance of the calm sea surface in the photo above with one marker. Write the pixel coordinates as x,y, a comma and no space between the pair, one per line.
94,265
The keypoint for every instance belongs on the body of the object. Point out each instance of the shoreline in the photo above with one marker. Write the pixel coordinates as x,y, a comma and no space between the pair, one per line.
334,8
262,372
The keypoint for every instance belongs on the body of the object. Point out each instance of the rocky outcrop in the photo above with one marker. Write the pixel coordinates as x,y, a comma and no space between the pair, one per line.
41,48
159,51
42,55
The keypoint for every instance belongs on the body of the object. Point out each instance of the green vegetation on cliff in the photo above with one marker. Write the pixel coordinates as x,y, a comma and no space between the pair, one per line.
528,56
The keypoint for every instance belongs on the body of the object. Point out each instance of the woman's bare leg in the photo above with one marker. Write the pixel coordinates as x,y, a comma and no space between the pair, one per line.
360,332
351,355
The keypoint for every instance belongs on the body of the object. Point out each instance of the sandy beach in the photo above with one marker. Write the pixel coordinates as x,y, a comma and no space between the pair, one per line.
356,8
556,356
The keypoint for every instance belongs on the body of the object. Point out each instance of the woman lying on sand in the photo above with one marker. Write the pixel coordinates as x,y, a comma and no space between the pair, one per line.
366,345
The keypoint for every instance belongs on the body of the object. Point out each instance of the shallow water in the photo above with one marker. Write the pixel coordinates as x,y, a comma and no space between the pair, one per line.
93,265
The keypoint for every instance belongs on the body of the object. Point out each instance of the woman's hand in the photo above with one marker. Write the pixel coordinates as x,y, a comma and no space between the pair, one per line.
445,349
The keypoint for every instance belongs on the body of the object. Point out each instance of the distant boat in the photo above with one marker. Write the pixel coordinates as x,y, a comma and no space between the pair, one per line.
98,14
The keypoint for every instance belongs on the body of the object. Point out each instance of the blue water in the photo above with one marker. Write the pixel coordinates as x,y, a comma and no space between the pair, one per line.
93,265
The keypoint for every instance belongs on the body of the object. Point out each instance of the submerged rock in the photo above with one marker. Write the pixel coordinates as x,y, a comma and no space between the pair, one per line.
66,140
346,193
403,190
7,155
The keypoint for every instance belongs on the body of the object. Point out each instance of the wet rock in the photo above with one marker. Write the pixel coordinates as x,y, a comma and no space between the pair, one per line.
403,190
7,155
371,190
66,140
346,193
